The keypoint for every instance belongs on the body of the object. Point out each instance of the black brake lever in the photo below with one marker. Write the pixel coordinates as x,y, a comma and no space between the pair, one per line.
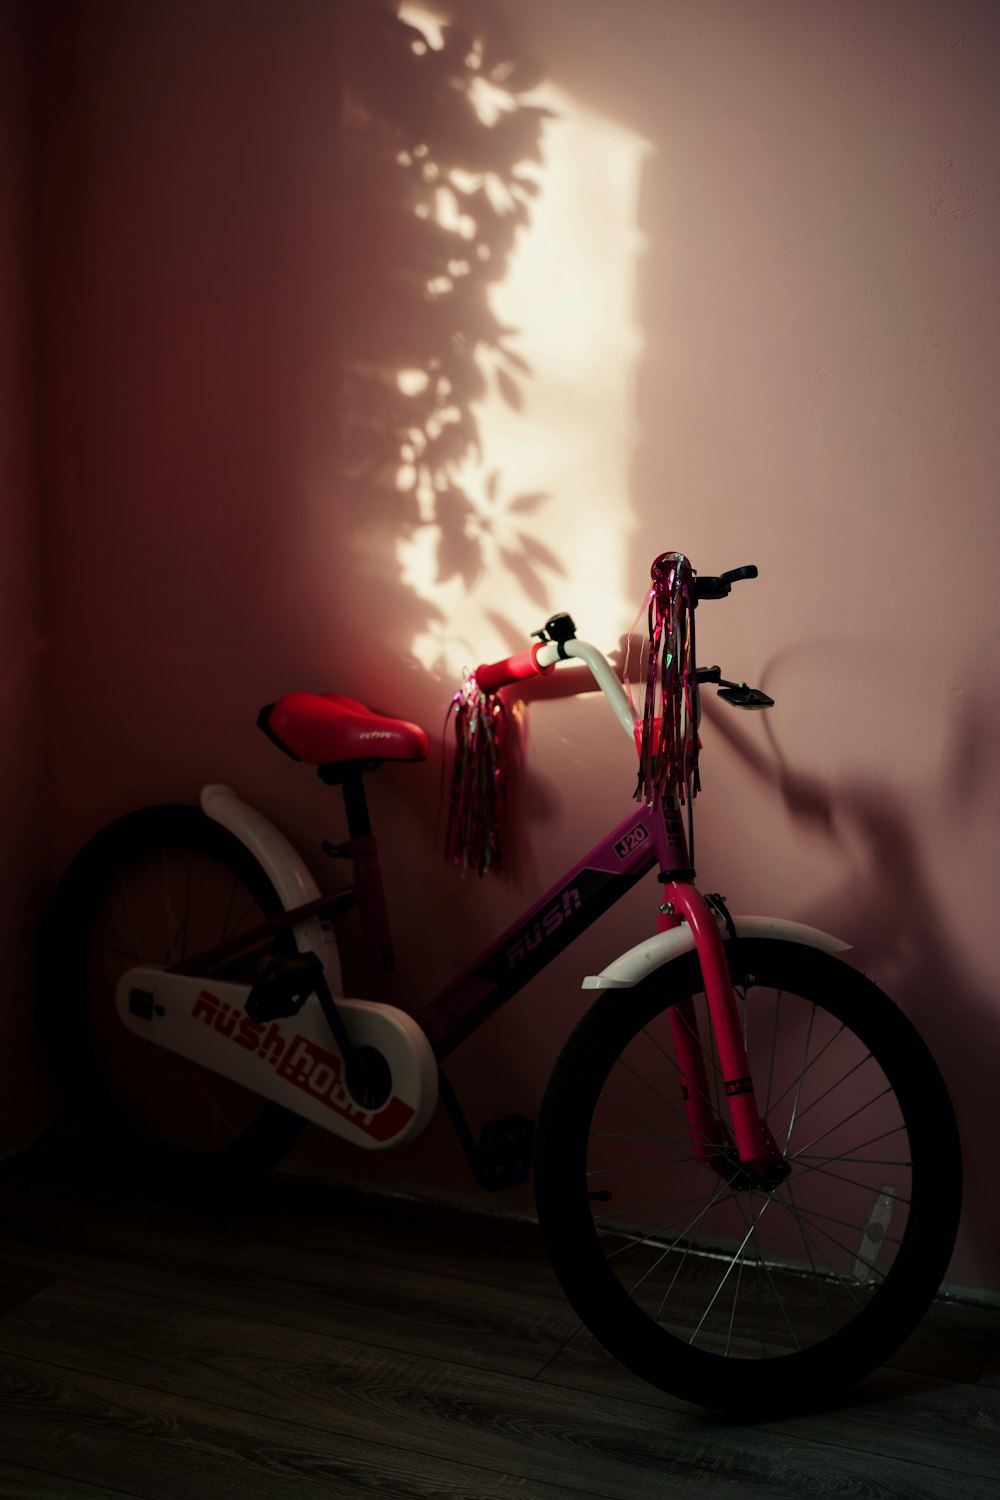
718,586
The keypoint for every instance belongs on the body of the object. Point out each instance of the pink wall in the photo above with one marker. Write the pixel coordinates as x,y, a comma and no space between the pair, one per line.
816,392
25,1096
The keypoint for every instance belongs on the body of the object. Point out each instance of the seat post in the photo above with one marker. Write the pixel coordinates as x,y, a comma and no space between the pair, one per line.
368,884
359,824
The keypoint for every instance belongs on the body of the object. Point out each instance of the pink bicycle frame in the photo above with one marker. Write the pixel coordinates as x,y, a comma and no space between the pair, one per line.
645,839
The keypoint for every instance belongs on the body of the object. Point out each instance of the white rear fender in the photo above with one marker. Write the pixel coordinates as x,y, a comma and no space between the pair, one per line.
656,951
284,867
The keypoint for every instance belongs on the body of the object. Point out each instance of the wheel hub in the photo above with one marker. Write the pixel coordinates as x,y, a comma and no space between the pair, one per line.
747,1176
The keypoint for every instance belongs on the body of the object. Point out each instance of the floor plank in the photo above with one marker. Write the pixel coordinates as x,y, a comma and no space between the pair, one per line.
956,1341
938,1421
391,1231
336,1385
304,1342
19,1483
397,1306
105,1432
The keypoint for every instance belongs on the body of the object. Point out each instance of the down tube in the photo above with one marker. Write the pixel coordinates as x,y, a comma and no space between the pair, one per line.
545,930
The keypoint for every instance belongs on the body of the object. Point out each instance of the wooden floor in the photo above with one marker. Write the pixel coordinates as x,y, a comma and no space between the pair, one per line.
306,1342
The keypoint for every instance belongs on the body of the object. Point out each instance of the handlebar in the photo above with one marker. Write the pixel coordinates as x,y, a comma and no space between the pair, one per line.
541,658
492,676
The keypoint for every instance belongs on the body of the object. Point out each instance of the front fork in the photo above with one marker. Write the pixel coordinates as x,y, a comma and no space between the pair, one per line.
710,1137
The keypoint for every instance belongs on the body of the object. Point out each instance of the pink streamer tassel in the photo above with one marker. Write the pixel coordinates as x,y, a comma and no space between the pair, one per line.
478,791
668,745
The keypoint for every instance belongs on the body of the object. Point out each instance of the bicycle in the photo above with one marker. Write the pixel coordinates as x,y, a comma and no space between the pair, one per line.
747,1170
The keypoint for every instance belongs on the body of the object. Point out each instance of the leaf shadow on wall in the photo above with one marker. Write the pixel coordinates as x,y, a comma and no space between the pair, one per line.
442,158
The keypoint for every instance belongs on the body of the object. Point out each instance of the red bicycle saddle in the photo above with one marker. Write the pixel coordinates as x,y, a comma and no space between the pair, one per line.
321,728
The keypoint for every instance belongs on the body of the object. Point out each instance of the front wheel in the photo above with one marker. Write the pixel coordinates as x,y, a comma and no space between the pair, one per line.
700,1279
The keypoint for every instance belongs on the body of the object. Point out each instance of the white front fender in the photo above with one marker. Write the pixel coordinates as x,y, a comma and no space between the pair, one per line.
655,951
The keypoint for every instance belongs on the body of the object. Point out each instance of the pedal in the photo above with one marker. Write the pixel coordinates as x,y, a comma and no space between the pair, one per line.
741,696
504,1154
283,987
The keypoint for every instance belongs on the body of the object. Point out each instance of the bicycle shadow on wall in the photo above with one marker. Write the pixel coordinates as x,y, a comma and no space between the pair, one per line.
892,914
441,163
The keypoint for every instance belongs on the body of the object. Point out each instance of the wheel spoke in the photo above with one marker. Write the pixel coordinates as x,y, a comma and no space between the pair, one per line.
885,1094
802,1074
774,1052
647,1140
810,1218
843,1079
797,1082
217,1112
729,1270
126,905
654,1135
709,1055
662,1098
809,1256
636,1166
676,1068
657,1232
178,945
691,1224
846,1284
849,1181
763,1262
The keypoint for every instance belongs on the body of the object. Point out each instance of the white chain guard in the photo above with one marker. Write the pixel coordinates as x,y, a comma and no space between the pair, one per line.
293,1061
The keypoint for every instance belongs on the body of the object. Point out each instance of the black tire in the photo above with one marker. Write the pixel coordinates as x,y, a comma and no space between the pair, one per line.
721,1292
169,1121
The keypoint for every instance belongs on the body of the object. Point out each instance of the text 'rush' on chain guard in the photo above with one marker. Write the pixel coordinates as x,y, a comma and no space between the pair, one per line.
292,1061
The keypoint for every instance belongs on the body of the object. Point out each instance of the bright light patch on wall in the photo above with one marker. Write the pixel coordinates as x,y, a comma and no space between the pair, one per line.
570,294
425,20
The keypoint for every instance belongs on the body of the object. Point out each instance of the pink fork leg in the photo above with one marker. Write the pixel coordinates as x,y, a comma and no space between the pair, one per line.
753,1140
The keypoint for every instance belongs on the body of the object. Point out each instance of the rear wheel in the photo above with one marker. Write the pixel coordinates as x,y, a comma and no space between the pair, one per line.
706,1283
156,886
